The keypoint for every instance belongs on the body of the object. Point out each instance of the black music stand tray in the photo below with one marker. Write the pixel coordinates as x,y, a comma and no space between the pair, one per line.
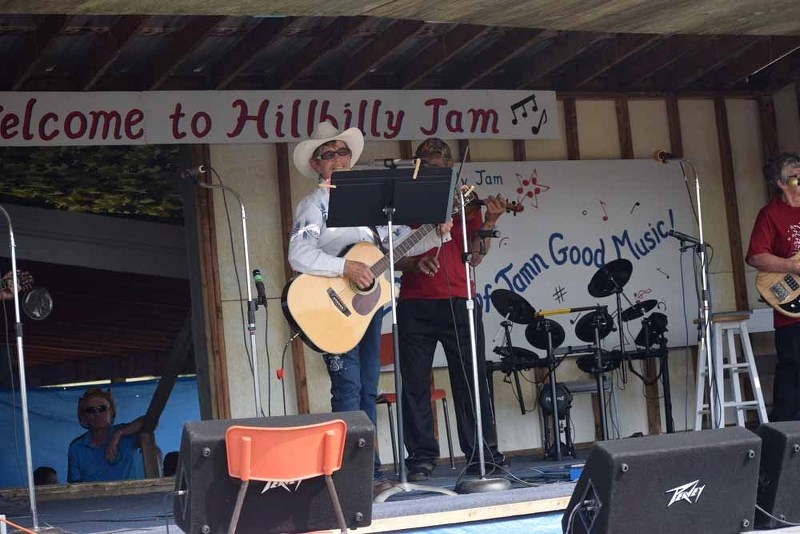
385,197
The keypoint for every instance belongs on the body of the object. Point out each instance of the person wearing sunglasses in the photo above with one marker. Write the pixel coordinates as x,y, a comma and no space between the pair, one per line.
105,451
316,249
775,248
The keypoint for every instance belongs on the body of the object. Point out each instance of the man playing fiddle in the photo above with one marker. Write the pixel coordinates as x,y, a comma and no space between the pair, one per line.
432,309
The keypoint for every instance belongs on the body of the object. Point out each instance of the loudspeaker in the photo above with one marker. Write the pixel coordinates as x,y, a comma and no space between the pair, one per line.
779,477
689,482
206,494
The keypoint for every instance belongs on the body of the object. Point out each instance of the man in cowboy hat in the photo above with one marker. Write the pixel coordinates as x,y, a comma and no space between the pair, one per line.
315,249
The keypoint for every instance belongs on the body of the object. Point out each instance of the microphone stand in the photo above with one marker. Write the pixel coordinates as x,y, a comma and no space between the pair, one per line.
251,303
482,484
23,391
715,376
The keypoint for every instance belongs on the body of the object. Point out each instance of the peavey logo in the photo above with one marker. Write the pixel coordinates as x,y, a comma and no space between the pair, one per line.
688,492
271,484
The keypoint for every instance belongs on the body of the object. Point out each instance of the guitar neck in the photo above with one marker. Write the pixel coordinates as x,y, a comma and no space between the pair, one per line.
402,249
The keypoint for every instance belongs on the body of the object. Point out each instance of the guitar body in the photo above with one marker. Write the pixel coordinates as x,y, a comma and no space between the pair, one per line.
331,314
781,291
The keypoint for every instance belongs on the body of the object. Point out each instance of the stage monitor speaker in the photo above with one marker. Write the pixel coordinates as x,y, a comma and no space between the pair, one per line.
779,478
207,494
689,482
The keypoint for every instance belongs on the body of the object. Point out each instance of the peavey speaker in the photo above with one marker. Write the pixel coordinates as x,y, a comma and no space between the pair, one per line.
207,494
779,478
689,482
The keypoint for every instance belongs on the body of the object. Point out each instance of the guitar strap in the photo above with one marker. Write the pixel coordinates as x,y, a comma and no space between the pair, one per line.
377,238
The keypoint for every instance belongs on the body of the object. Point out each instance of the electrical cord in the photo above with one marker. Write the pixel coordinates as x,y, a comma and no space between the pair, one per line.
782,521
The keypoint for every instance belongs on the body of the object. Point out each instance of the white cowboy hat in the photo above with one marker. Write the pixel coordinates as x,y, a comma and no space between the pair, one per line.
325,132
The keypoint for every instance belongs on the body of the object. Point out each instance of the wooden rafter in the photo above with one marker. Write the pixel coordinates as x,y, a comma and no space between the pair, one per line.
498,54
181,44
332,36
439,52
109,49
713,55
377,50
564,49
760,56
48,30
606,57
651,61
244,52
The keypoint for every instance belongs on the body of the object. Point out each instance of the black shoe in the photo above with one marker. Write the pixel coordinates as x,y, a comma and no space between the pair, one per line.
420,472
381,484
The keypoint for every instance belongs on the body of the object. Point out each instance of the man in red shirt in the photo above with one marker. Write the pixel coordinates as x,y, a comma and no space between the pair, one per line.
773,243
432,308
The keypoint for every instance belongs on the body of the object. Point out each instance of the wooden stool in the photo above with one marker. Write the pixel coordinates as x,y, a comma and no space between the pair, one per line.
727,325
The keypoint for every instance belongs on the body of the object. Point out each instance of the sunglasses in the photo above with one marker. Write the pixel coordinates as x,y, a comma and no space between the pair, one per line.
330,154
94,410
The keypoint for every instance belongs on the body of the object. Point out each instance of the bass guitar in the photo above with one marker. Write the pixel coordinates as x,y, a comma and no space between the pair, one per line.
331,314
781,290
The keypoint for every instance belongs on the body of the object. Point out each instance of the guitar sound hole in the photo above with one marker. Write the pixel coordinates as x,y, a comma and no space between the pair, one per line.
367,289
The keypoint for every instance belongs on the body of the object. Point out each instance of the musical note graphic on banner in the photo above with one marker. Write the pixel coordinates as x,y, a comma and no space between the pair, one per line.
542,119
662,272
605,213
635,205
521,104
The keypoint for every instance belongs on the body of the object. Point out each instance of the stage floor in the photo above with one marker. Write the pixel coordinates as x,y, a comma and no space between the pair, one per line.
539,488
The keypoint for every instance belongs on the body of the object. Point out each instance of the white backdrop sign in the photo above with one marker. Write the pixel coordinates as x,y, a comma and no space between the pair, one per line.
578,216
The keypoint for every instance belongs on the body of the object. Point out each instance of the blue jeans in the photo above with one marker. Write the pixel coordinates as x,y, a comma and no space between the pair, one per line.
354,376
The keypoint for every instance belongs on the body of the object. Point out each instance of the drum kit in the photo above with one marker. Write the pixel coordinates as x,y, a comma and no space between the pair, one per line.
548,335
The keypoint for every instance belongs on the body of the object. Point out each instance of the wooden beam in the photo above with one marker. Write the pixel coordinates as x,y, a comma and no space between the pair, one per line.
518,146
406,150
571,125
661,56
624,128
769,127
111,46
674,125
713,55
498,54
759,57
563,49
327,39
212,294
48,29
179,47
285,198
608,55
373,53
731,204
244,52
443,49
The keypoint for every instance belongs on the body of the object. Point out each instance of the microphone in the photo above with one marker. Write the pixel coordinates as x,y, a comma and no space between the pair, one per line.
684,237
663,156
262,295
488,233
194,173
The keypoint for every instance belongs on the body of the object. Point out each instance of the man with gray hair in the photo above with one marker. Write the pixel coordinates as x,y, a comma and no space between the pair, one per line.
774,247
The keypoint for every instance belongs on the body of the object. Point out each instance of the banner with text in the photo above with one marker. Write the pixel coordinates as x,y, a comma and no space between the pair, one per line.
221,117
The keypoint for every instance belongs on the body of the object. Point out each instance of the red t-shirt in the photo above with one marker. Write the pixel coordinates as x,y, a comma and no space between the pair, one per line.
776,231
450,280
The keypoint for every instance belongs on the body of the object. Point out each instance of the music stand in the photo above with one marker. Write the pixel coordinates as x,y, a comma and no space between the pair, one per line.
385,198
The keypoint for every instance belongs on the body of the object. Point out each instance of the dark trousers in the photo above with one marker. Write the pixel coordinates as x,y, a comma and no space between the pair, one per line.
786,388
421,324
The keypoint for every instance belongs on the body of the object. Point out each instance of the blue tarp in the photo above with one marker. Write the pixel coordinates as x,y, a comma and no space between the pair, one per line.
53,421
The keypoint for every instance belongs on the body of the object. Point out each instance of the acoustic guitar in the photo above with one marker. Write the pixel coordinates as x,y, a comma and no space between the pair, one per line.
331,313
781,290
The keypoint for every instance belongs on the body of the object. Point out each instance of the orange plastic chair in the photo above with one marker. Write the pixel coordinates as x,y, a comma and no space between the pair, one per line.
390,399
285,454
